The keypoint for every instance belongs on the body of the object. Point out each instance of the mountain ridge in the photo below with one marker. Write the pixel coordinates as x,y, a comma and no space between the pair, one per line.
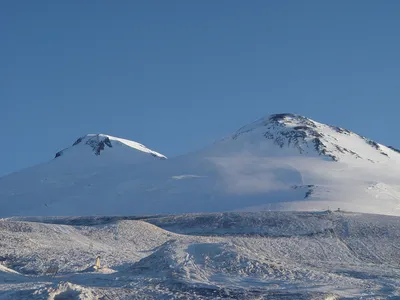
279,162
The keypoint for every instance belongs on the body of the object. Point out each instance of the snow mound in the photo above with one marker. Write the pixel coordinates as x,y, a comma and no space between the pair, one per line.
67,290
60,249
196,262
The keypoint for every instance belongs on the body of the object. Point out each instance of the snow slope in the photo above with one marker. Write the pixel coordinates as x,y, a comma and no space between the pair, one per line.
280,162
267,255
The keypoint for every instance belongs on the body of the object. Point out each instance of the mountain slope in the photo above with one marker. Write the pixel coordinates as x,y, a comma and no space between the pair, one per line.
280,162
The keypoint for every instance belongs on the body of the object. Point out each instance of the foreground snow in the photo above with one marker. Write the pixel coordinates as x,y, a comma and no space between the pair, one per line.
272,255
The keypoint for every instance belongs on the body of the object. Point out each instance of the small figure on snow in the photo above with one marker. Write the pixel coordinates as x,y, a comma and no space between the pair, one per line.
97,264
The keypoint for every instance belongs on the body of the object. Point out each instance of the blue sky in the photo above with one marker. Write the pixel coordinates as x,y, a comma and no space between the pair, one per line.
177,75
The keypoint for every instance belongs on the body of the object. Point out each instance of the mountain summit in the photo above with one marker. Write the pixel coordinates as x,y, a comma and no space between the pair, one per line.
98,143
310,137
279,162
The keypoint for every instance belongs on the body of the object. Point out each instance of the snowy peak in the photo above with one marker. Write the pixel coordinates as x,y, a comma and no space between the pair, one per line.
280,162
310,137
282,123
99,143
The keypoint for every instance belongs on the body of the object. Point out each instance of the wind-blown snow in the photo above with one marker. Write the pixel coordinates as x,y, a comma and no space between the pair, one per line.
281,162
269,255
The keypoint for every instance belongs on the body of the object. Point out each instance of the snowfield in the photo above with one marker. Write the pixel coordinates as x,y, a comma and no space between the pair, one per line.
264,255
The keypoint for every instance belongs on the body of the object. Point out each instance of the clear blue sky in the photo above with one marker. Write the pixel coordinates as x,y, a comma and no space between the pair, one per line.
177,75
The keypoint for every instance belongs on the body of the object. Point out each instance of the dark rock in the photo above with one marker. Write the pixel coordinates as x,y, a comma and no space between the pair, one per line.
394,149
77,141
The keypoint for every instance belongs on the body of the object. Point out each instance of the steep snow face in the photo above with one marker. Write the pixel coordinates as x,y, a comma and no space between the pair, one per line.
98,143
294,134
281,162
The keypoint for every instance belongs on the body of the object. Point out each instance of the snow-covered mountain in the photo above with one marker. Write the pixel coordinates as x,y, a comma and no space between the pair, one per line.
305,136
280,162
110,146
